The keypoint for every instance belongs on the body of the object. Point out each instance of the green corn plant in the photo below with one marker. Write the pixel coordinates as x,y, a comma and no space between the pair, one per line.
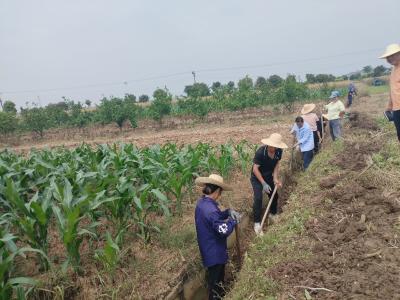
109,256
69,211
31,218
244,155
11,286
146,201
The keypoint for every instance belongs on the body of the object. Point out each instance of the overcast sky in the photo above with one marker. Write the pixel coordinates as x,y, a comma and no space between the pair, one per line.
88,49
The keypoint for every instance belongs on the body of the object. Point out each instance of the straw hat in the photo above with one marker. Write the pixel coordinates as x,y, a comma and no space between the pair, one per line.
390,50
213,179
274,140
307,108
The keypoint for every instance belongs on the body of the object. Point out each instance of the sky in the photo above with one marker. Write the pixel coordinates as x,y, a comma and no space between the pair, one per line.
95,48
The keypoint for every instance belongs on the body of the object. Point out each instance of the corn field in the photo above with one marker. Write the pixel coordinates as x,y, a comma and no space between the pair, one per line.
119,187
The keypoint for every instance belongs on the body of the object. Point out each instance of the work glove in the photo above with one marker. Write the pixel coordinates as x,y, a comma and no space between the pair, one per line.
266,188
235,215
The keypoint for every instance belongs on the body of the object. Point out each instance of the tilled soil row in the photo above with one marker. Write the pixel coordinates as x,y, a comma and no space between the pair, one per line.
354,242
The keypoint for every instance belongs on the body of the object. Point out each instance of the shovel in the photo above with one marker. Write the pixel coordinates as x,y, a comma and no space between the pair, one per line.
239,254
268,207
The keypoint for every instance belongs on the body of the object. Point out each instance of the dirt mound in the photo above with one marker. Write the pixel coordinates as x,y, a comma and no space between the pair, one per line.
362,121
353,245
356,156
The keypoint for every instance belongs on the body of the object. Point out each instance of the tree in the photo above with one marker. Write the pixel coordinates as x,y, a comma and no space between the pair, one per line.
88,102
367,70
310,78
261,82
275,80
215,86
245,84
144,98
196,90
130,97
379,71
355,76
35,119
57,114
289,92
9,107
118,110
230,85
161,105
8,122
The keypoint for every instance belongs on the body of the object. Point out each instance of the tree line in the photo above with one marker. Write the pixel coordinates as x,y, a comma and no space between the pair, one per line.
199,100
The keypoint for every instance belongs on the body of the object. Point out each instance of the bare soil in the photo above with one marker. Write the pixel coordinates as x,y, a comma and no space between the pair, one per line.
353,242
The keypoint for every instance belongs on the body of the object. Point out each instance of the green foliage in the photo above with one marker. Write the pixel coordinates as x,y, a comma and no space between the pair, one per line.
275,80
109,256
35,119
144,98
9,107
197,90
261,83
194,106
161,105
245,84
130,98
8,123
116,110
215,86
289,92
379,71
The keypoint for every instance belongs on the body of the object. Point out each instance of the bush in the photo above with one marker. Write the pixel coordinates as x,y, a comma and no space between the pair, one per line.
9,107
161,105
197,90
144,98
118,110
35,119
8,123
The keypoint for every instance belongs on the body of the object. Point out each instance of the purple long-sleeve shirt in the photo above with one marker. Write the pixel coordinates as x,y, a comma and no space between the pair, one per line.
213,227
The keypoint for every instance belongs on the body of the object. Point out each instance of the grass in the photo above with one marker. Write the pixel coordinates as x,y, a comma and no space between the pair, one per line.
279,244
372,90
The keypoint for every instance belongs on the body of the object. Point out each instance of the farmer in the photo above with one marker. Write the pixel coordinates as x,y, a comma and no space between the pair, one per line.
305,140
265,175
335,112
312,120
213,226
392,55
351,94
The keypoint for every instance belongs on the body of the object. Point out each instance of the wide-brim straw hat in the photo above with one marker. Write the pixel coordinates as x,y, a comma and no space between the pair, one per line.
274,140
213,179
390,50
307,108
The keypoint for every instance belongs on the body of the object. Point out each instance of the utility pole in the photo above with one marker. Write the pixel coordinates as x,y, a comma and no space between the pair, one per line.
194,76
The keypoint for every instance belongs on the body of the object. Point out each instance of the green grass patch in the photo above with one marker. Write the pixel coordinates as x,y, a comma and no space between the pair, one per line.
372,90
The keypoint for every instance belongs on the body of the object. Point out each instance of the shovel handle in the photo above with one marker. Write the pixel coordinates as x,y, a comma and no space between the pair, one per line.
269,206
239,254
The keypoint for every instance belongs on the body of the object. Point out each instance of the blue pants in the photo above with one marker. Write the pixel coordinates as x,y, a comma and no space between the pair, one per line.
335,128
307,158
396,120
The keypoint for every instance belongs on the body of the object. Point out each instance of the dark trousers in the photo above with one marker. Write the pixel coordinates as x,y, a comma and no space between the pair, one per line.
215,281
258,198
316,141
307,158
396,120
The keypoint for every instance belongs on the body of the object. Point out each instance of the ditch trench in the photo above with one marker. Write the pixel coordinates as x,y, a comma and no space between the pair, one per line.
193,285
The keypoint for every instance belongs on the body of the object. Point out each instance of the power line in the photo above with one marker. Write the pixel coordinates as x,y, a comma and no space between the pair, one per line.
186,73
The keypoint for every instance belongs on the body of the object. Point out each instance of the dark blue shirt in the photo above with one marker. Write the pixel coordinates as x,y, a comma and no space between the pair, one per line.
213,226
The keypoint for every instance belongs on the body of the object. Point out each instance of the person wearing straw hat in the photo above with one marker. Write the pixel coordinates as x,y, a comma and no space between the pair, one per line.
336,111
311,118
392,56
213,227
265,175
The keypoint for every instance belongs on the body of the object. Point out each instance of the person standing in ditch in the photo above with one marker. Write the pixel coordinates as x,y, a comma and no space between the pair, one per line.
336,111
265,176
305,140
311,118
392,55
213,227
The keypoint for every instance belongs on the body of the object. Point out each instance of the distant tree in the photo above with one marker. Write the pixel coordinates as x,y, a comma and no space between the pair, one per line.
275,80
261,82
310,78
196,90
379,71
161,105
355,76
345,77
57,114
215,86
144,98
35,119
9,107
367,70
245,84
289,92
291,78
130,97
118,110
230,85
88,102
8,123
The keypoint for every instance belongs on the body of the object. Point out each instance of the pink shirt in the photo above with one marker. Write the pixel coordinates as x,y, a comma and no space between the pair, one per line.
311,119
395,88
